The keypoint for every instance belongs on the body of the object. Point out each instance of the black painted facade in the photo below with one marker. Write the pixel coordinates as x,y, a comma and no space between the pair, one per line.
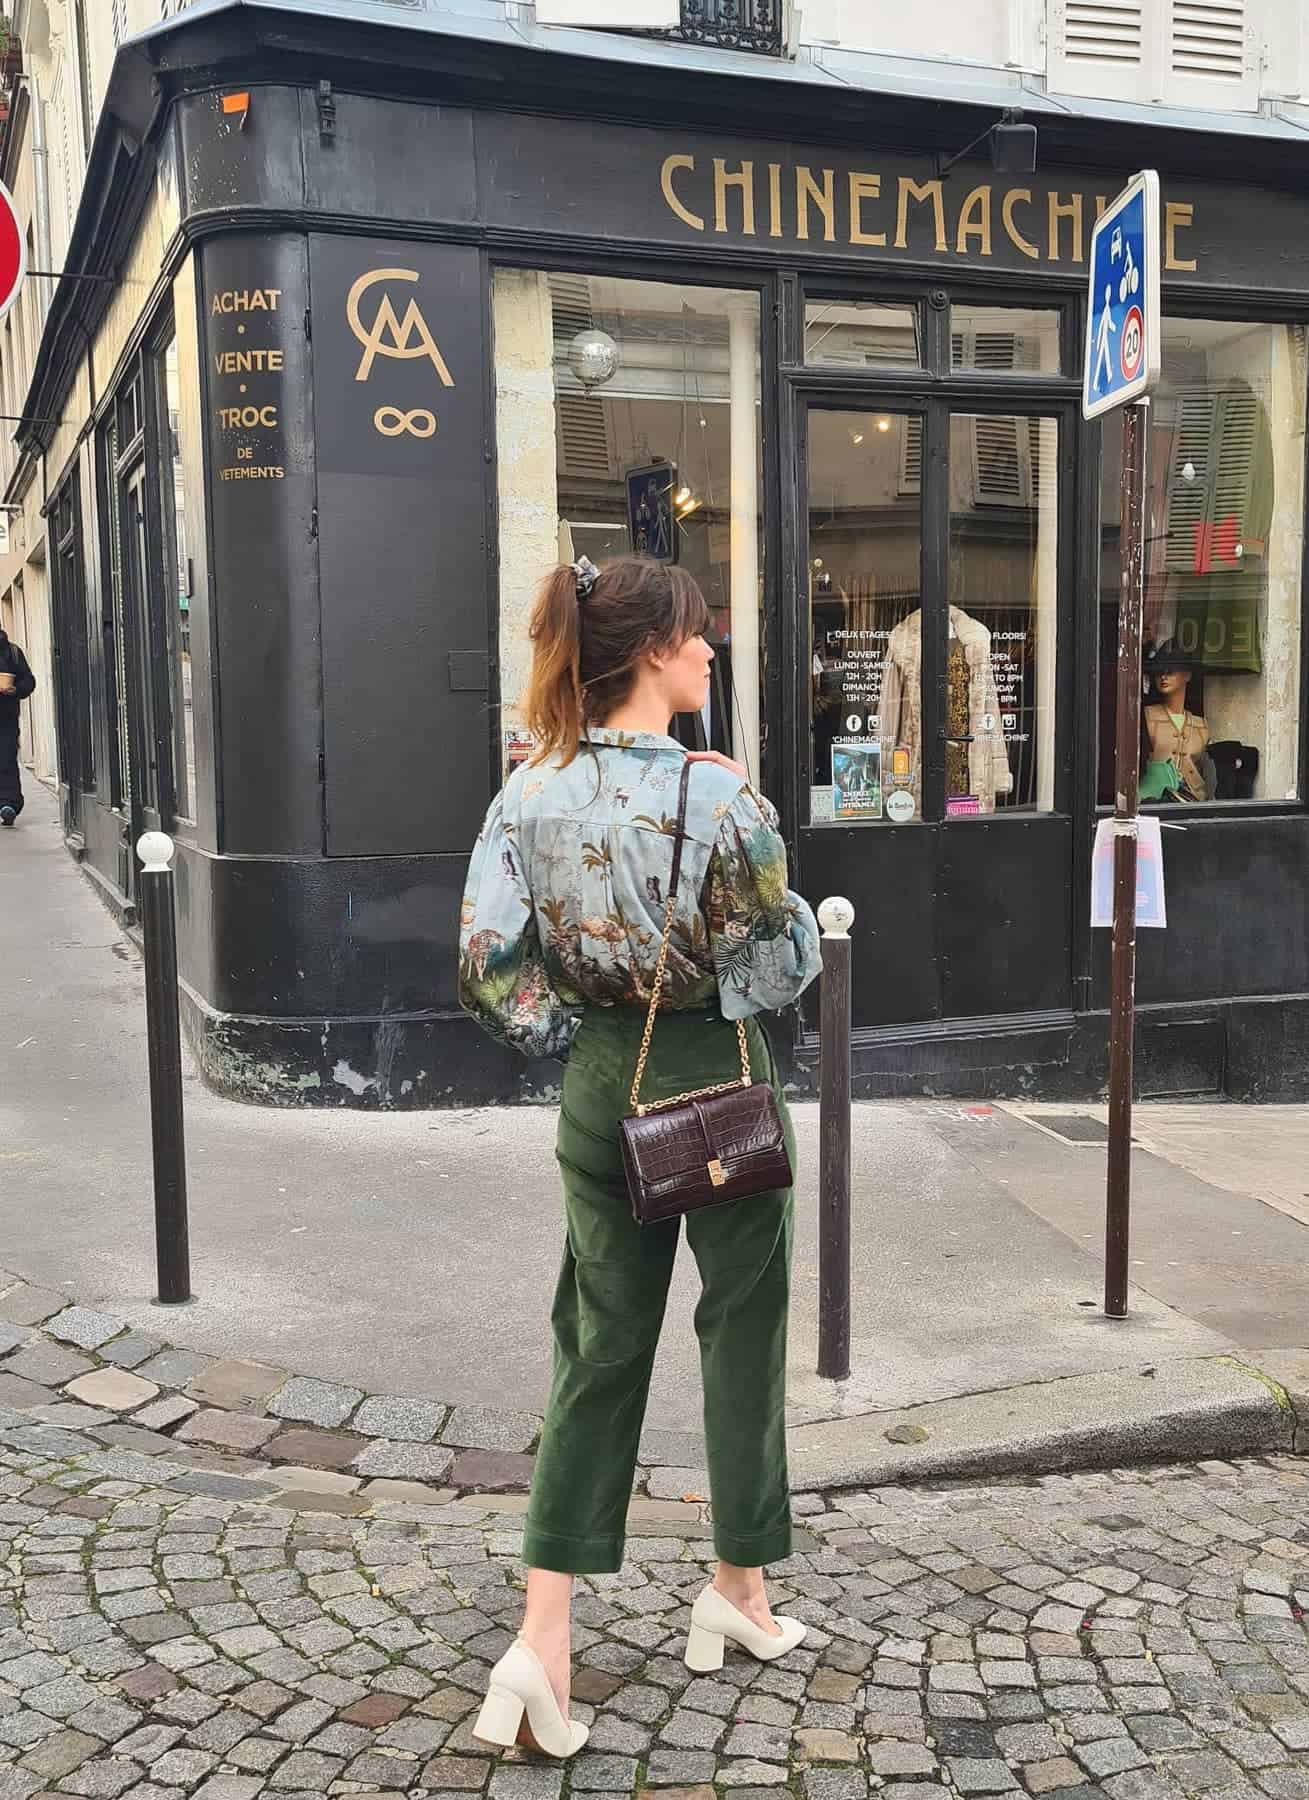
343,614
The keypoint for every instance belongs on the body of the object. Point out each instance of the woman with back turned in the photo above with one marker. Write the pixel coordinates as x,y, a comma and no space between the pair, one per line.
560,934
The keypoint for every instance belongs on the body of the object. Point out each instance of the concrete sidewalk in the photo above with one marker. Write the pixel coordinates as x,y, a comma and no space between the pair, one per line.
416,1253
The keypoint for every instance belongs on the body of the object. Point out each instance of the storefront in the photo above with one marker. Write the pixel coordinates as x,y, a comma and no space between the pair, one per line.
413,339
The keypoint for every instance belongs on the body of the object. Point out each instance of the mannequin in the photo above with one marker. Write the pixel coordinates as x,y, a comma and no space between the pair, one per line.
977,759
1176,739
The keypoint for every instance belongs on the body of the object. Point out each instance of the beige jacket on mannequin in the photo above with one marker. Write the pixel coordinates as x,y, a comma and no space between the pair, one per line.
901,709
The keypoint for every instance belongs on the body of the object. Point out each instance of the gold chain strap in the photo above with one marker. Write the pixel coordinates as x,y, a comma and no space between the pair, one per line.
721,1087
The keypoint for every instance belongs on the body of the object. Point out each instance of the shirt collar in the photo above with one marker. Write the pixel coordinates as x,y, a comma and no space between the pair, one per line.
647,741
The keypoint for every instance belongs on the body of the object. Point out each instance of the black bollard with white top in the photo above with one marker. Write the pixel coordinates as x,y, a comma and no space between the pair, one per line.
172,1235
836,917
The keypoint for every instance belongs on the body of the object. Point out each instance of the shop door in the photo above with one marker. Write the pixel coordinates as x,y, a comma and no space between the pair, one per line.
931,792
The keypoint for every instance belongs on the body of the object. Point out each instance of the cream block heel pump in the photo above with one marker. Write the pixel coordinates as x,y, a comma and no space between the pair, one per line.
714,1620
519,1684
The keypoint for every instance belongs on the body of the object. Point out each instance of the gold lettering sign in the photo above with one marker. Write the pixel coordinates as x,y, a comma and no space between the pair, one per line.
248,418
243,300
249,362
402,333
869,208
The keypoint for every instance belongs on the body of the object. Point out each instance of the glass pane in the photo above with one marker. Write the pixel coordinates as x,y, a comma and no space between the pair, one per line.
1003,589
865,589
859,334
1225,513
177,589
1005,339
122,774
627,421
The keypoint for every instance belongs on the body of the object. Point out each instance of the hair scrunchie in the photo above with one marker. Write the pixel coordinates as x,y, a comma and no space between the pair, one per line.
587,575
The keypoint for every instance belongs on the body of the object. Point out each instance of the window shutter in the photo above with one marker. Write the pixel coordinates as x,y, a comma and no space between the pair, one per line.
911,455
1211,60
1100,48
1005,449
1002,461
584,448
59,107
1190,495
1234,478
611,15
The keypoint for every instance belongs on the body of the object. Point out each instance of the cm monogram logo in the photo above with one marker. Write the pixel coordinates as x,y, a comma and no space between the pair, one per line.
404,339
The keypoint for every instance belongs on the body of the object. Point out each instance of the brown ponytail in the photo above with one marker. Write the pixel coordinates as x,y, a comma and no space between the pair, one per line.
586,652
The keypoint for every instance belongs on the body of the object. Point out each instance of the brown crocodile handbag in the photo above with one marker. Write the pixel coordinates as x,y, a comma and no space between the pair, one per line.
701,1149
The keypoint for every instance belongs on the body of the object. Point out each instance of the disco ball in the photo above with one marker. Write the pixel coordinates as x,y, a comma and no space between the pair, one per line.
593,357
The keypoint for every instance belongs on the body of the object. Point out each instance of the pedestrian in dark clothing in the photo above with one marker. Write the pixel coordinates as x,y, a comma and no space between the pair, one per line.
16,683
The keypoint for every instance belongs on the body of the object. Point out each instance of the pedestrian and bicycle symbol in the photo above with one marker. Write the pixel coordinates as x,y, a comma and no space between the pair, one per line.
1122,336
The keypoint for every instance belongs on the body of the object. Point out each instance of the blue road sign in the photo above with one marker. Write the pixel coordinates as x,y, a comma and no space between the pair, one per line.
1122,316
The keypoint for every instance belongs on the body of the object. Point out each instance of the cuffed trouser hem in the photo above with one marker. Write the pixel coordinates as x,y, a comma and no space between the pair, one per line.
753,1549
571,1555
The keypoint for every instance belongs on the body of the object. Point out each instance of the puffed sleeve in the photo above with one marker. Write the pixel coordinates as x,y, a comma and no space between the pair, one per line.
503,982
764,937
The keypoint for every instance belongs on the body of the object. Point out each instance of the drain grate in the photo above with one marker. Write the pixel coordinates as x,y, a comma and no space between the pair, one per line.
1075,1128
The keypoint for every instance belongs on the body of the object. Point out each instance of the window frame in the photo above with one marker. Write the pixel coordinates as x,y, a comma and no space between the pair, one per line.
939,391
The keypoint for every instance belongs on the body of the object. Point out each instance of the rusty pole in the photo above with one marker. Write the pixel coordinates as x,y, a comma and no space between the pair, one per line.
1122,1002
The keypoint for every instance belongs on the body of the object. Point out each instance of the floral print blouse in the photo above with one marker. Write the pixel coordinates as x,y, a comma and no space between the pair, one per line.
567,891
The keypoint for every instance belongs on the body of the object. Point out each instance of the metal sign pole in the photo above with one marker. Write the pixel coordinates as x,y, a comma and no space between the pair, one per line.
836,917
167,1128
1122,1003
1122,364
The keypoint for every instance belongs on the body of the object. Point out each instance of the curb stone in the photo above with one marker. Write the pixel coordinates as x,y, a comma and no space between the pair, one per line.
230,1429
233,1419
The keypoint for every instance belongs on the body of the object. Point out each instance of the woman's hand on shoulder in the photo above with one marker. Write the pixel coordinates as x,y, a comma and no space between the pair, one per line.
724,762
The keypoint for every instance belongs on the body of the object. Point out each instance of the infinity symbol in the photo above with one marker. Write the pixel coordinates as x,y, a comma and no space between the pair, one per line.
391,422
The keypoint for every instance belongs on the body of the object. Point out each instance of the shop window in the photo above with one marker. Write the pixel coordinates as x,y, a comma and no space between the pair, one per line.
1003,614
861,334
72,665
1005,340
865,596
998,617
1223,602
627,421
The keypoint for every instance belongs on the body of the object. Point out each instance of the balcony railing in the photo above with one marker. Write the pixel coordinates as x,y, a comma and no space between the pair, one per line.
733,25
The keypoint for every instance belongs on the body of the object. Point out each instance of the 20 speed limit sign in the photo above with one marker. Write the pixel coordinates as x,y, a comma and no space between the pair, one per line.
1133,345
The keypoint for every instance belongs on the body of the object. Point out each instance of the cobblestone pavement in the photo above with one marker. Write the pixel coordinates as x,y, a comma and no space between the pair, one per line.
1139,1634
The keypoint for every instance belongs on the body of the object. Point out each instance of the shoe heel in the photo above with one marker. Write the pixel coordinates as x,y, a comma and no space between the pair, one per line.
499,1719
704,1650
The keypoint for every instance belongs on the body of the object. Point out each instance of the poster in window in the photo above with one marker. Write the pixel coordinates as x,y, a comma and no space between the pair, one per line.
857,781
651,519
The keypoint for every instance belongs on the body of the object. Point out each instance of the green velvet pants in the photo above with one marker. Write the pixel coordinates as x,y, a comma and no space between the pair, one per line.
609,1307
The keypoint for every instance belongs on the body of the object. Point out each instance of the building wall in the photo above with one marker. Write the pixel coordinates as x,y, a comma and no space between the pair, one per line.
1249,52
68,50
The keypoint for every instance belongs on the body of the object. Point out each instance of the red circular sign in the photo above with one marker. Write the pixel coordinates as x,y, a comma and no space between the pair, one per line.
1132,348
13,251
